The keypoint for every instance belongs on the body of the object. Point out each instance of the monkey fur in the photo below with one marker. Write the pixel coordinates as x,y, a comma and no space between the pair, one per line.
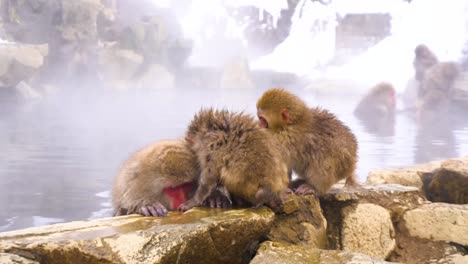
233,151
317,145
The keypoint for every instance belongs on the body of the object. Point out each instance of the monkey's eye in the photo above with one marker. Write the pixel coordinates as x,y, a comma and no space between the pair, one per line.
263,122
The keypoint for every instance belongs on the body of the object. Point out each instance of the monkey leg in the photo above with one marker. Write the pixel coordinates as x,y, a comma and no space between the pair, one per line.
206,186
156,209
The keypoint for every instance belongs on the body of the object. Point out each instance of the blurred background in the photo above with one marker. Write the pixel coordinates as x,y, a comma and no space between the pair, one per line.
85,83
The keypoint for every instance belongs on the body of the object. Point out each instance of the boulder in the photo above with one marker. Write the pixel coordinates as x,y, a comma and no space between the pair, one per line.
282,253
20,62
361,219
367,228
438,221
214,235
301,223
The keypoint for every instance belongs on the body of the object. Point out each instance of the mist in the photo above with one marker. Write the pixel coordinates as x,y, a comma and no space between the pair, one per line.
84,84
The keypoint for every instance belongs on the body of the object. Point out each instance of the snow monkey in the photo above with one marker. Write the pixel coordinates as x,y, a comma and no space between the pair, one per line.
157,179
234,151
318,147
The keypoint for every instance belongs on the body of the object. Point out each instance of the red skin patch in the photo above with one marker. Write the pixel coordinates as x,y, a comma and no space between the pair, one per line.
179,194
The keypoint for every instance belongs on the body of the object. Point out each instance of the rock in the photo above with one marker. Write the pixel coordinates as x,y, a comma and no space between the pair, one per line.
361,219
453,259
20,62
29,21
302,223
156,77
439,181
438,221
236,74
214,235
282,253
368,229
117,67
79,20
416,250
6,258
403,176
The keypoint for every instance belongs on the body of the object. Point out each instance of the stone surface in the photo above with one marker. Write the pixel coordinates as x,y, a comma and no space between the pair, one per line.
301,222
358,217
439,181
20,62
438,221
282,253
214,235
403,176
6,258
368,229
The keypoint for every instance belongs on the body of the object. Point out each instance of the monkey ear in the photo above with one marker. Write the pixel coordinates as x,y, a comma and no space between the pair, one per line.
285,116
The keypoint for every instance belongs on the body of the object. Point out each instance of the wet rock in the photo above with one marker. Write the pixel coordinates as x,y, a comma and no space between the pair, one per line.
282,253
155,77
301,222
20,62
216,236
438,221
367,228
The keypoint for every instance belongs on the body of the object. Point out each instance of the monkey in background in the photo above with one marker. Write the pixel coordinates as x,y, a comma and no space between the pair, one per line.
234,152
376,110
318,146
435,91
424,58
157,179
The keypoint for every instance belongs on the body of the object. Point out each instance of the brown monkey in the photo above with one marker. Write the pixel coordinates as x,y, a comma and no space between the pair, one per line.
234,151
379,101
318,146
376,110
435,91
424,58
158,178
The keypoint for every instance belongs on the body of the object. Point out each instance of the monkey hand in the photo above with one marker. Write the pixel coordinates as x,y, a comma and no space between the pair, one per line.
186,206
156,209
218,199
304,189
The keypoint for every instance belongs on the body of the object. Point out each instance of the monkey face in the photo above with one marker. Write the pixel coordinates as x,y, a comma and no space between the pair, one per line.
270,119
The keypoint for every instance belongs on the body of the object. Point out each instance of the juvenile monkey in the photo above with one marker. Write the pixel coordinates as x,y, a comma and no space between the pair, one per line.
233,151
318,146
157,179
424,58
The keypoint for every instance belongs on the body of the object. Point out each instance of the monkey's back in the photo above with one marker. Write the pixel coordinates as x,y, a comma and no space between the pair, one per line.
147,172
325,145
245,156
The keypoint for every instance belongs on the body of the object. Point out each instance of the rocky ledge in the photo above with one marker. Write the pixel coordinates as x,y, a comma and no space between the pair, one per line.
373,223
